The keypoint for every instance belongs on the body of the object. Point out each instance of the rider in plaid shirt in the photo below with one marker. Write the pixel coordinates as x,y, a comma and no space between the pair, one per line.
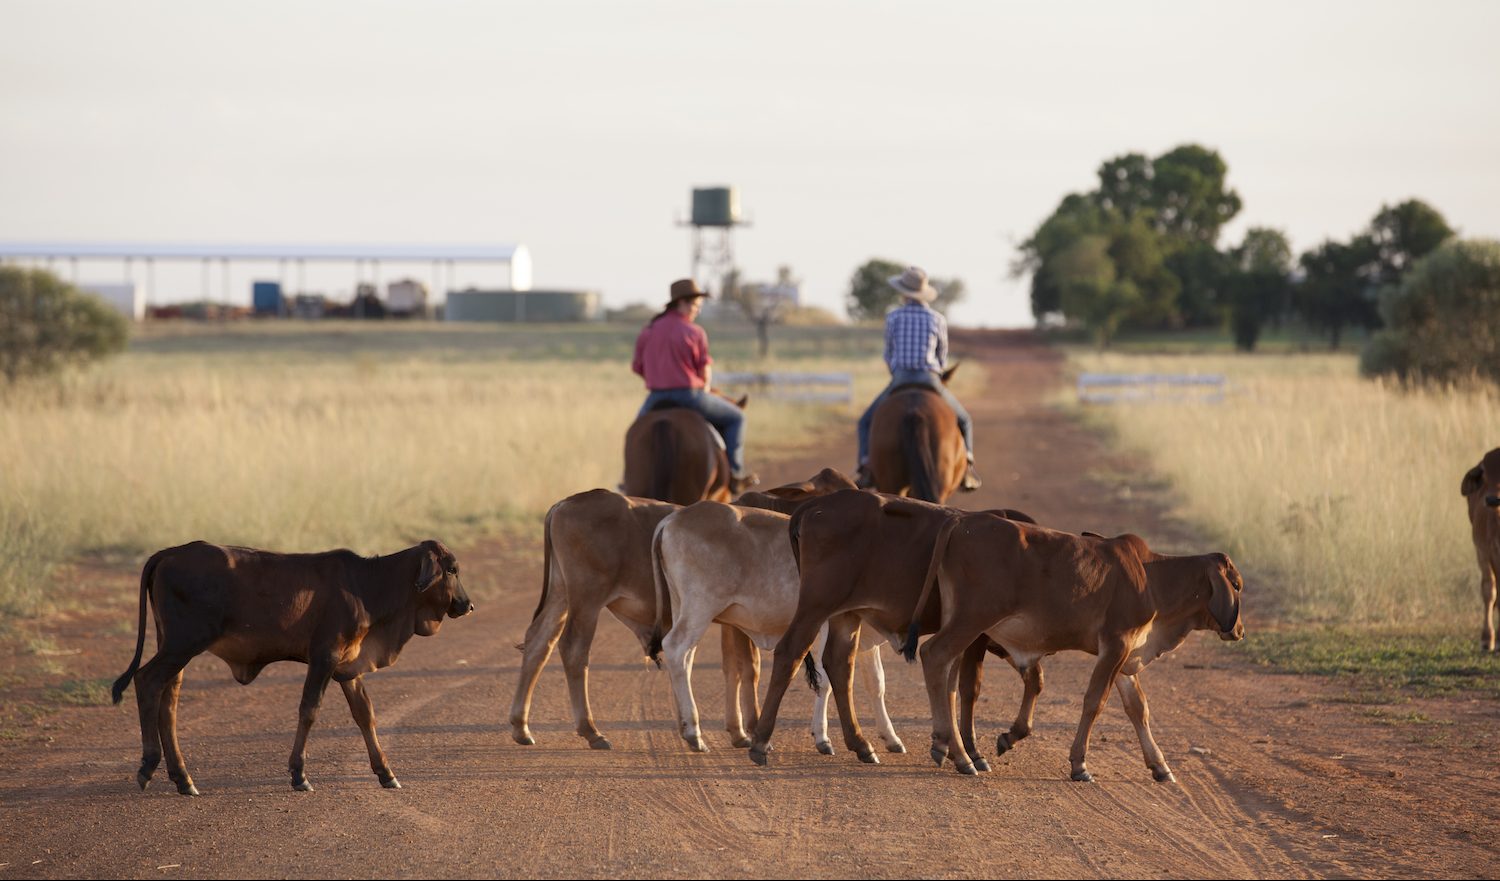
916,351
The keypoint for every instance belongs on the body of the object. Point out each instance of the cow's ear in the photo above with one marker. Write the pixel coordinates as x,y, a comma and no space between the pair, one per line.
1472,480
428,576
1221,602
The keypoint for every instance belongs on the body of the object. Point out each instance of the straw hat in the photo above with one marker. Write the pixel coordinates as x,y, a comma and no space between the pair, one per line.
913,283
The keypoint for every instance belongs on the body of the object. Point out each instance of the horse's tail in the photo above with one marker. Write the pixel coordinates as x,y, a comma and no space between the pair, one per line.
541,602
939,548
663,596
148,572
664,459
921,464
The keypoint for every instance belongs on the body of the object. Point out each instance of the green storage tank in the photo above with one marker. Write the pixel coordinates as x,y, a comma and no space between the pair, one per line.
716,206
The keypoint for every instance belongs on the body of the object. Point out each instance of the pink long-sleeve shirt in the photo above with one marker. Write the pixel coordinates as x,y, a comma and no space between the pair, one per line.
671,353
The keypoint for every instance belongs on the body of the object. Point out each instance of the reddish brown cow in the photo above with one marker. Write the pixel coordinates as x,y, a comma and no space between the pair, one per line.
1036,591
862,558
1481,485
341,614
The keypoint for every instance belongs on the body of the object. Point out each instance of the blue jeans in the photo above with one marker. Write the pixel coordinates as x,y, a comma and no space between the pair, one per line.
919,377
724,416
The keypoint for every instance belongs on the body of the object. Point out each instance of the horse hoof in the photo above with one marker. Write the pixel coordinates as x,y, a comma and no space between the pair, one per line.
895,746
981,765
1163,776
869,757
966,770
825,748
1083,777
302,786
757,755
600,743
938,754
1002,744
390,783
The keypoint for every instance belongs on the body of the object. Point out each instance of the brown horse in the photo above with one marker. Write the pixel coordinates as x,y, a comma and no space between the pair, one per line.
672,454
916,448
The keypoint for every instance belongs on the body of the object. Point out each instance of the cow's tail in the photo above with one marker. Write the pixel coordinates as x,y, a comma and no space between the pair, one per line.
939,548
921,465
794,534
541,602
663,596
812,671
148,572
663,459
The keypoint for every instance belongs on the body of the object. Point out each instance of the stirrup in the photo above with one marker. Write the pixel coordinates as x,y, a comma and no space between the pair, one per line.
971,480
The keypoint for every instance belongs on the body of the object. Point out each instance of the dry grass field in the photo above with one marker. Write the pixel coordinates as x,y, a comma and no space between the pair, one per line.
309,436
1343,490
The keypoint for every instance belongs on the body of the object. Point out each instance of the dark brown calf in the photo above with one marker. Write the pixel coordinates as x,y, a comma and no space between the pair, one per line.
862,558
341,614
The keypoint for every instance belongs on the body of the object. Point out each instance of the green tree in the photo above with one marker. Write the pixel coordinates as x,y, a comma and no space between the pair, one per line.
1405,233
1091,287
1076,216
1443,321
870,294
47,324
1258,286
1339,289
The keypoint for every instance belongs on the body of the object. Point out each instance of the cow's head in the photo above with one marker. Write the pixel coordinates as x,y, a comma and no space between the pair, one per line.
438,587
786,498
1484,479
1222,611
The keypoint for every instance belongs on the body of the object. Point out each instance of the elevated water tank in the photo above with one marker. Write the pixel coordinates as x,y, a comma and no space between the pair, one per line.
716,206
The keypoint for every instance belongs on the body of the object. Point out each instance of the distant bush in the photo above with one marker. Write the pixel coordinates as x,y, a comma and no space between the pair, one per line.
1443,321
47,324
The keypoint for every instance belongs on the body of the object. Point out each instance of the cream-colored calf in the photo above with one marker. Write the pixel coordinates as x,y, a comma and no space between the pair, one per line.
734,565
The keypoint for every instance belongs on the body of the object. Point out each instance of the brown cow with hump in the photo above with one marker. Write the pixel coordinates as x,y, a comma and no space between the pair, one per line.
1481,486
862,557
341,614
1036,591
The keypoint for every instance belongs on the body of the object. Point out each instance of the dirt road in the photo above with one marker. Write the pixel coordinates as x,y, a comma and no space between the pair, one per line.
1276,776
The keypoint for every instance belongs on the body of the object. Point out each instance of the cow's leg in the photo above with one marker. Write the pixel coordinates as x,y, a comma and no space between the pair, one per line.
789,652
1031,678
838,657
1134,700
1112,656
1487,596
940,656
873,675
541,636
319,672
970,681
167,724
678,648
364,716
818,724
741,679
151,682
577,638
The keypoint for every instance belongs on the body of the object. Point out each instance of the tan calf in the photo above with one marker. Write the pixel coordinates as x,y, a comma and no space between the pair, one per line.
1035,591
1481,486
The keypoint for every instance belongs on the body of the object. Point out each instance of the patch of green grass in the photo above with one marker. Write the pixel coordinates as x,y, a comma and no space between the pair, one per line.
1381,665
81,692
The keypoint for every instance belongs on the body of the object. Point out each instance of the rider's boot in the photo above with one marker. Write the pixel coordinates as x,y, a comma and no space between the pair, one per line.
971,480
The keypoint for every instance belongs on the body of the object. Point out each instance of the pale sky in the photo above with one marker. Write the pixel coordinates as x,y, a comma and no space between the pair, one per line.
936,133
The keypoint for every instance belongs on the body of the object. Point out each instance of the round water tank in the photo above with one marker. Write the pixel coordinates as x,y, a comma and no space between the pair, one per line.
716,206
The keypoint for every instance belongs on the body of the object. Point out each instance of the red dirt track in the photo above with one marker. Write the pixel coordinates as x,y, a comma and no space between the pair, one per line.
1276,776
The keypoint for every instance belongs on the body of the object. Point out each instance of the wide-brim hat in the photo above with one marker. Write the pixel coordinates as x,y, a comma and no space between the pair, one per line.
686,289
913,283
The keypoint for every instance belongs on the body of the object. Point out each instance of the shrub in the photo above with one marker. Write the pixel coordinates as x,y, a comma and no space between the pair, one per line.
47,324
1443,321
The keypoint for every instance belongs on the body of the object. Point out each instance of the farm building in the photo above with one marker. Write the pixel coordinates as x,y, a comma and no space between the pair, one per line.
522,306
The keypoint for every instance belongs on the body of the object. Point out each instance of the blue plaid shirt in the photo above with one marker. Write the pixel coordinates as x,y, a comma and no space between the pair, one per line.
916,338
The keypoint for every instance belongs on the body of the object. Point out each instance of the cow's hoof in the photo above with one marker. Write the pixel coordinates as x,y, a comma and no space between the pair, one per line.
895,746
758,755
390,783
980,764
966,770
523,737
740,741
1163,776
1083,777
1003,744
868,756
824,747
697,745
143,778
938,754
600,743
302,785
